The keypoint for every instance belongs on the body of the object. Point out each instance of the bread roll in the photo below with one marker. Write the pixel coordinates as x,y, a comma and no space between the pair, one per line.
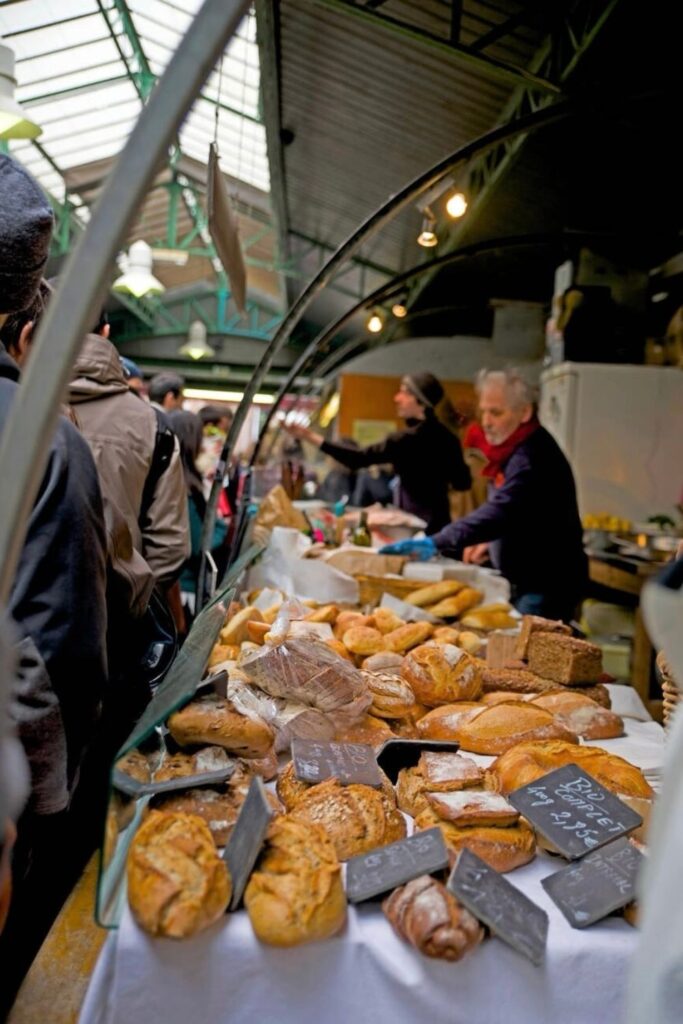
402,639
223,652
296,893
535,624
392,697
527,762
442,723
430,918
135,765
177,883
345,620
445,635
470,642
385,661
235,630
386,621
256,631
487,618
441,674
338,647
502,726
452,607
434,592
580,714
363,640
502,848
468,807
564,659
356,818
214,720
326,613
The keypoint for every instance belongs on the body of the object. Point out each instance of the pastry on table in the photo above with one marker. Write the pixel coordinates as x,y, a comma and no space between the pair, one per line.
434,592
467,807
386,621
502,726
443,723
356,818
177,883
442,674
410,635
363,640
527,762
502,848
564,659
537,624
216,721
428,916
295,895
580,714
392,697
454,607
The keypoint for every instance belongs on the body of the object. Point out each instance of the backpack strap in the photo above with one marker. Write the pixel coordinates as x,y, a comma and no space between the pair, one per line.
161,458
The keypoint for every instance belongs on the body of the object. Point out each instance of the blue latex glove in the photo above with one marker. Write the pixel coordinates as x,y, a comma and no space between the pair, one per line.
422,549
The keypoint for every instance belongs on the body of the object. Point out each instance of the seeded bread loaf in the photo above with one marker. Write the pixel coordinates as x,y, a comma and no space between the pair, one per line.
564,659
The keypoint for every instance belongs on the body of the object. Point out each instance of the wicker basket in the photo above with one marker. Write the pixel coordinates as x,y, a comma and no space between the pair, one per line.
371,588
672,694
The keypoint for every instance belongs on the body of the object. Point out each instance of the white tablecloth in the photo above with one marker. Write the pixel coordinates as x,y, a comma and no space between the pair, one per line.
367,975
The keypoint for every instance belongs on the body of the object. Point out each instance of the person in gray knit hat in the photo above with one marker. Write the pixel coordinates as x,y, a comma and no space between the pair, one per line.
426,454
25,233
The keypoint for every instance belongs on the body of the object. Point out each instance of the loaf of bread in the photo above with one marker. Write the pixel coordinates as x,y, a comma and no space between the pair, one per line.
580,714
177,883
435,772
469,642
290,789
338,647
597,692
326,613
443,723
368,729
296,893
266,766
386,621
235,630
356,818
345,620
178,766
468,807
223,652
502,848
392,697
446,635
453,607
488,618
413,633
217,721
385,661
529,761
219,809
256,631
441,674
502,726
135,765
430,918
434,592
564,659
537,624
363,640
516,680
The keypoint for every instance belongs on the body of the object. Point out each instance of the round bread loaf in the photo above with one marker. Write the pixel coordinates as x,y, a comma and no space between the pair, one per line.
216,721
385,661
356,818
429,917
296,893
392,697
363,640
502,726
290,789
177,883
527,762
502,848
441,674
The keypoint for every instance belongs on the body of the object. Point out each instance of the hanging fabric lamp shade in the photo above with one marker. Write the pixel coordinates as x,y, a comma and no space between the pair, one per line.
14,121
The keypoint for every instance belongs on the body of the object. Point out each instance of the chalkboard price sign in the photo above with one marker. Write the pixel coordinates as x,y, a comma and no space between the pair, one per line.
371,874
346,762
247,838
572,810
599,884
494,901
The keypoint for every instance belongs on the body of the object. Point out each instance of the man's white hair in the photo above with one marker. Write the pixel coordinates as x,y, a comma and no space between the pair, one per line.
518,389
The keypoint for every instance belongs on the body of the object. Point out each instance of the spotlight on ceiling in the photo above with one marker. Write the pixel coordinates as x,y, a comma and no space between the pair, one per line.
375,322
196,346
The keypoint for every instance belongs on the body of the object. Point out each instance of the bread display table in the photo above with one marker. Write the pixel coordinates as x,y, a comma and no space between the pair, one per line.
367,974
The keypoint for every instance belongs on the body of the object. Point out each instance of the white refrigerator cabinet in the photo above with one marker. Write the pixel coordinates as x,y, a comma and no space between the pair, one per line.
621,427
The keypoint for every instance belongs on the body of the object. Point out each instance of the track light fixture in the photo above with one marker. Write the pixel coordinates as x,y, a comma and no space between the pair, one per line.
427,236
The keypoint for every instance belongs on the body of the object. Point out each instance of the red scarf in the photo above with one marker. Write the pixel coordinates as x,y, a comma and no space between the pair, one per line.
498,454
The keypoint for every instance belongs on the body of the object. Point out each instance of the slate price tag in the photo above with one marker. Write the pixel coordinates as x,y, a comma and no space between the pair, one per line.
133,787
397,754
599,884
510,915
371,874
247,838
574,811
347,762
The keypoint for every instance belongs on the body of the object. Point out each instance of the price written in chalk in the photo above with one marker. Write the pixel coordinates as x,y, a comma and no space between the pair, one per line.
371,874
346,762
572,810
602,882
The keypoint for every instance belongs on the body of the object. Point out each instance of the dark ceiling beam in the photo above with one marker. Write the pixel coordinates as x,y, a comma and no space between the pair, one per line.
498,70
456,18
506,27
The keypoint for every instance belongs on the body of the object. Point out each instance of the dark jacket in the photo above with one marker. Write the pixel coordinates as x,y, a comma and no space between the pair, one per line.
427,458
58,604
531,521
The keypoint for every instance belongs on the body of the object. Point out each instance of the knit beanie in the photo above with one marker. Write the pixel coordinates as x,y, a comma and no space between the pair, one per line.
425,387
25,233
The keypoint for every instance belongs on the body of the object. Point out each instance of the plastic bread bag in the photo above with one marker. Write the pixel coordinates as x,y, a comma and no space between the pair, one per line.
305,670
289,719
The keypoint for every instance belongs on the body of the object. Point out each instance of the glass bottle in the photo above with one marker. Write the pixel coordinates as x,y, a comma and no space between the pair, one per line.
361,535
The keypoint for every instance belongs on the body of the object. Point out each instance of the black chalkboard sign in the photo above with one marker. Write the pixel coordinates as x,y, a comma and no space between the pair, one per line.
346,762
371,874
247,838
599,884
394,755
574,811
494,901
133,787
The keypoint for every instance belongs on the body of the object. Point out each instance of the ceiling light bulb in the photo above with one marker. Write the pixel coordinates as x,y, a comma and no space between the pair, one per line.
196,346
399,309
456,205
427,236
375,323
14,122
138,279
